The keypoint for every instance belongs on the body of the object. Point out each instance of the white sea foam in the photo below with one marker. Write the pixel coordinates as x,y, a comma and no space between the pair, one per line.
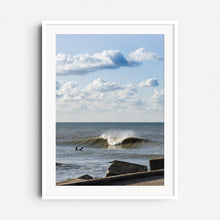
115,137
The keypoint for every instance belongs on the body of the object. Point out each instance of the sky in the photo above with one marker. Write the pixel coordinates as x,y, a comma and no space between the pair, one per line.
109,78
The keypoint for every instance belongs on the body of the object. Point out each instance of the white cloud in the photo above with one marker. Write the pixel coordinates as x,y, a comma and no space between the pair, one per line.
106,101
156,101
107,59
65,88
99,95
102,86
141,54
104,95
149,83
85,63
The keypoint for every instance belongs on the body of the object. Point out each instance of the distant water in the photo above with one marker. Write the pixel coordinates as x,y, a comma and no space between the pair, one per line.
103,143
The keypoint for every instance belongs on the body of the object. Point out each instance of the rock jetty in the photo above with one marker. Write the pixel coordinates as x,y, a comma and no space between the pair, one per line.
156,164
120,167
85,177
124,173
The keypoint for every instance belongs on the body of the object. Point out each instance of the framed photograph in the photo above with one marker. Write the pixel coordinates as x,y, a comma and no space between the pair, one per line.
109,110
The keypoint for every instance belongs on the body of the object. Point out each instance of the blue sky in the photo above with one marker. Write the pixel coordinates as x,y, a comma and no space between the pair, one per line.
110,77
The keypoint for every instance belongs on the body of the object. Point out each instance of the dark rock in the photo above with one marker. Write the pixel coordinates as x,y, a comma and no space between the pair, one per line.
121,167
156,164
85,177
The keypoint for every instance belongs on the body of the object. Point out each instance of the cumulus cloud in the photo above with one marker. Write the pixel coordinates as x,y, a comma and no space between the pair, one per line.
65,88
141,54
103,95
85,63
103,86
102,100
149,83
99,95
108,59
156,101
130,96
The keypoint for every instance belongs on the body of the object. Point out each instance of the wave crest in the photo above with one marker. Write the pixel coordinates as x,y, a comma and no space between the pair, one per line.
117,137
112,139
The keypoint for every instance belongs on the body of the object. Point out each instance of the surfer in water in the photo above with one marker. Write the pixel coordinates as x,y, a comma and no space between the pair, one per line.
81,149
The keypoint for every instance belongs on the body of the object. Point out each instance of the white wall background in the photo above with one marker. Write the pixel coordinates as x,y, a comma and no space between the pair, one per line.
20,109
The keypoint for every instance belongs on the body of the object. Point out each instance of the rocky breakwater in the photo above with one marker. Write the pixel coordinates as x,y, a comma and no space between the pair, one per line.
125,173
156,164
120,167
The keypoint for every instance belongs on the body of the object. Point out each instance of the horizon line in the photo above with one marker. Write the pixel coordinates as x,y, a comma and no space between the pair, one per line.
109,121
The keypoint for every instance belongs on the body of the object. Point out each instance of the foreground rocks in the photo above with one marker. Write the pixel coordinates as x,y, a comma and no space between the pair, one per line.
156,164
121,167
154,177
85,177
124,173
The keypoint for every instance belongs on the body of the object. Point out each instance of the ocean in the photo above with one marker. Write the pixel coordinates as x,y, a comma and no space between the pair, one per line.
89,148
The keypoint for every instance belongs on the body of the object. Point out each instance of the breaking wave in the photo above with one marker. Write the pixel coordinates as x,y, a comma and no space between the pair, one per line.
114,138
124,139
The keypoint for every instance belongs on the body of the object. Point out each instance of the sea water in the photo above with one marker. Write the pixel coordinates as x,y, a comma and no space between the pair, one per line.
89,148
